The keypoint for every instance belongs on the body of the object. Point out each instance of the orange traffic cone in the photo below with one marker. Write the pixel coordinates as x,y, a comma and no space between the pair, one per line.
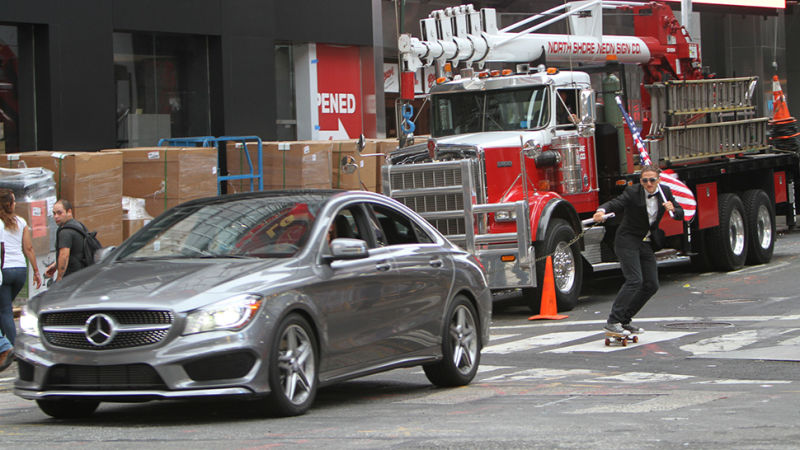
780,111
548,308
782,130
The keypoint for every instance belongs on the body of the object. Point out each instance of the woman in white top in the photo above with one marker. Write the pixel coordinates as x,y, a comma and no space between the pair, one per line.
17,245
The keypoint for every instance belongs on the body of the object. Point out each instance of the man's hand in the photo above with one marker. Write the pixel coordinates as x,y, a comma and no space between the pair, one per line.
669,206
51,269
599,216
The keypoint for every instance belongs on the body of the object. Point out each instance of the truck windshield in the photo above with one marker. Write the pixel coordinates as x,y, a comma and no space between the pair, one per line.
496,110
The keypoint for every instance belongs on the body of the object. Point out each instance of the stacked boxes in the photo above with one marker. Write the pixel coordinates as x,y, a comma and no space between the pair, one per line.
287,165
91,181
167,176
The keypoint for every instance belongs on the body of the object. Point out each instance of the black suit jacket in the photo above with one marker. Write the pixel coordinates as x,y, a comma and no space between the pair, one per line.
635,221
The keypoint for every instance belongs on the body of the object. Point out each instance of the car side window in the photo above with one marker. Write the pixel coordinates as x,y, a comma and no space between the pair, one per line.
398,229
345,225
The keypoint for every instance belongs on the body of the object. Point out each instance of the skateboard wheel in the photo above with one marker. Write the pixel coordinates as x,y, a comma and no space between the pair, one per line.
608,342
624,342
635,339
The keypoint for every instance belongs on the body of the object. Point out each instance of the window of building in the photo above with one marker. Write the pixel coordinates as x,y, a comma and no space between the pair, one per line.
286,119
162,83
9,103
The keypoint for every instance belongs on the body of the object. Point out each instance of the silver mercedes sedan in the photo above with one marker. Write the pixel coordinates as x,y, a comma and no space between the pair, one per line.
267,295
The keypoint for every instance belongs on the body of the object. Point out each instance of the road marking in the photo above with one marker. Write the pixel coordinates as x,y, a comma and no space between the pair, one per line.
733,381
641,377
544,340
667,402
541,374
649,320
733,341
649,337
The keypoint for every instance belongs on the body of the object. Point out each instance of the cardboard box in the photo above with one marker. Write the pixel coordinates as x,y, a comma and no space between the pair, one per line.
354,170
384,147
287,165
131,226
83,178
106,220
168,175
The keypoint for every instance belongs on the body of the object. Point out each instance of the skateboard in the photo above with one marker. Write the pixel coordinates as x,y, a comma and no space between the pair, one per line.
622,339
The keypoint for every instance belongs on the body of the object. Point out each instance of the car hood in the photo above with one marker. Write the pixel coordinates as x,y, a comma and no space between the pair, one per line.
177,284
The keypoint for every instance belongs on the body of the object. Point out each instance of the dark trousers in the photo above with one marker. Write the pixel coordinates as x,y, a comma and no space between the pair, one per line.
641,279
13,280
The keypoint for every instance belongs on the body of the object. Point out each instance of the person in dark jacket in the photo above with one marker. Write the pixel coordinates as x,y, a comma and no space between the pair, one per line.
636,239
69,242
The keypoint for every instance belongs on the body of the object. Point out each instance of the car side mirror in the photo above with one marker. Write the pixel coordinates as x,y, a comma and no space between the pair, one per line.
346,248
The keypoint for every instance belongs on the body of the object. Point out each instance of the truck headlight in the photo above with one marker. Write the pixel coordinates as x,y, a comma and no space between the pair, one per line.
29,322
505,216
230,314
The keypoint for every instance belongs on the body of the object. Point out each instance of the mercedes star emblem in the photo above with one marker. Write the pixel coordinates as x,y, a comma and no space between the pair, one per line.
100,329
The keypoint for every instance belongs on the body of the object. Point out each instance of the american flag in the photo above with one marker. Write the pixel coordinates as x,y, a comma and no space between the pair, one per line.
683,195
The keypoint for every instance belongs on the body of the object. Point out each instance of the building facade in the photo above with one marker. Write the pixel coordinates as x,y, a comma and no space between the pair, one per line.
94,74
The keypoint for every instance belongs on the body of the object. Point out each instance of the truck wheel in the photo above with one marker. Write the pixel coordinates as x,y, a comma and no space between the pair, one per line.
760,220
729,239
567,267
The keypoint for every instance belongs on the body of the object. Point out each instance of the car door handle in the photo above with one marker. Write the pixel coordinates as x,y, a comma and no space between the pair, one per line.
383,267
436,262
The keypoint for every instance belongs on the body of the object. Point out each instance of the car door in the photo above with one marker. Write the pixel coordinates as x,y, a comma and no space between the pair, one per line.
350,295
418,285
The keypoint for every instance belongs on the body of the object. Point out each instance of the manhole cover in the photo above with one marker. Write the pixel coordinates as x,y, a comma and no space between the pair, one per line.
734,301
697,325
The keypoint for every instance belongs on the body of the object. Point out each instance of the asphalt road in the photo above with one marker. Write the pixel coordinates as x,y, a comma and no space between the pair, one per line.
717,368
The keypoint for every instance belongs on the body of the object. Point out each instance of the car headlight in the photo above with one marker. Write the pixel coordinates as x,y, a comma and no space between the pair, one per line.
29,322
230,314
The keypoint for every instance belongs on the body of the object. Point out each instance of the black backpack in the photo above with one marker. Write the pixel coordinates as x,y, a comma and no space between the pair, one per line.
90,243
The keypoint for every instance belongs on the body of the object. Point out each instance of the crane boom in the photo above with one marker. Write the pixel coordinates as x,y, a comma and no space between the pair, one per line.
462,35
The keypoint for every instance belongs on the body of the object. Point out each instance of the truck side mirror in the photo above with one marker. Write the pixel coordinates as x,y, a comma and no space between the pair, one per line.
588,116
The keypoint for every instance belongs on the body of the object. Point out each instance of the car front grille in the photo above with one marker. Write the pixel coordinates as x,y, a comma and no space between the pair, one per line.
119,377
127,328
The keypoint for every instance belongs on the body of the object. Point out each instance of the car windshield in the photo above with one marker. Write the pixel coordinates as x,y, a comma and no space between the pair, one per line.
493,110
265,227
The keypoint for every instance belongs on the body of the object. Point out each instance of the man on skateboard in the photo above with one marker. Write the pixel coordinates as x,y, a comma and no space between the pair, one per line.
635,243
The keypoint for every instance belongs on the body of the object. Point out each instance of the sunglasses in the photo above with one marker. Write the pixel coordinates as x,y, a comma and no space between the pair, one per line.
649,180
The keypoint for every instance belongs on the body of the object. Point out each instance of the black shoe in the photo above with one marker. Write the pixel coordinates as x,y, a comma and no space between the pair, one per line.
616,328
6,358
633,328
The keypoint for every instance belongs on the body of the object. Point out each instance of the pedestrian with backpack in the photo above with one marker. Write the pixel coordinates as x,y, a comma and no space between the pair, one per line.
75,246
18,245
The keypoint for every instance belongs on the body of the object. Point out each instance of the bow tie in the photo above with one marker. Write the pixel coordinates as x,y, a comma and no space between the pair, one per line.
651,195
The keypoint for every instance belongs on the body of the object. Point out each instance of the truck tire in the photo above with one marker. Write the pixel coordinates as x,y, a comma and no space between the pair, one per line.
567,267
729,239
759,215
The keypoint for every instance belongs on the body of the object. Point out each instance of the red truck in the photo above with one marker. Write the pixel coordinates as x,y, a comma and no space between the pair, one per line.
519,159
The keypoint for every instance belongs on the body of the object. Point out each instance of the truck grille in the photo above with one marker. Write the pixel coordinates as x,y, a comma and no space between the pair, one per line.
132,328
427,178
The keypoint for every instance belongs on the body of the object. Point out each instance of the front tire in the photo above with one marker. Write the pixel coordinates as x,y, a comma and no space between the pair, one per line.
292,367
68,408
729,239
567,267
760,221
461,347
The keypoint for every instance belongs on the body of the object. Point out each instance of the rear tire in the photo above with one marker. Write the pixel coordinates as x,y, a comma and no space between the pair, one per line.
759,216
729,240
293,361
461,347
68,408
567,267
